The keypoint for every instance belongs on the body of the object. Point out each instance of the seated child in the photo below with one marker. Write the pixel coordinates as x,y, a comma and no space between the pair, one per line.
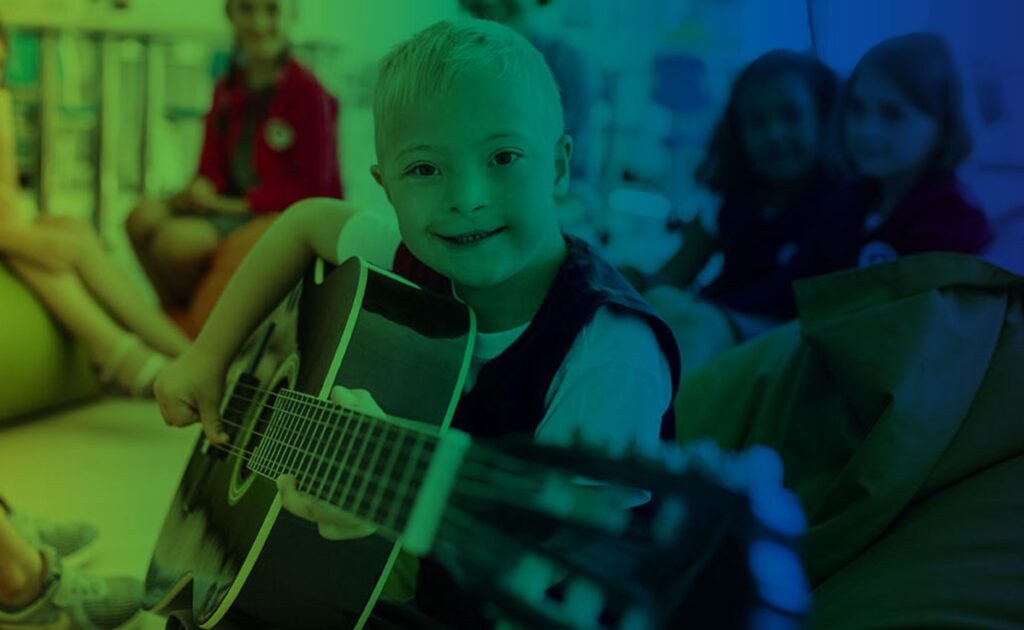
903,131
64,263
472,155
769,162
37,590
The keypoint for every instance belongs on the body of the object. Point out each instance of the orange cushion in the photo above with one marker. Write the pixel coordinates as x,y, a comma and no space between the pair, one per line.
225,261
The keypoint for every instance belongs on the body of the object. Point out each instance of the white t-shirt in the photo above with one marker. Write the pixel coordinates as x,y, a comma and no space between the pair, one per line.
613,387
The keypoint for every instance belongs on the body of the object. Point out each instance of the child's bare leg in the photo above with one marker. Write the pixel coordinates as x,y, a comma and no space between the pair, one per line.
119,294
183,247
75,308
143,224
21,568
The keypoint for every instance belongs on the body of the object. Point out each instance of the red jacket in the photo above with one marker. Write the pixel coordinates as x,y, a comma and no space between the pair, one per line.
295,146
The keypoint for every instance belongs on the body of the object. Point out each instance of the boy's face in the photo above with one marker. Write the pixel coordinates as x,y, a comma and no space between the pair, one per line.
473,175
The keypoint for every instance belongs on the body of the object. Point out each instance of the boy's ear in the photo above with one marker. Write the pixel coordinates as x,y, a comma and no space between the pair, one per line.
563,154
377,177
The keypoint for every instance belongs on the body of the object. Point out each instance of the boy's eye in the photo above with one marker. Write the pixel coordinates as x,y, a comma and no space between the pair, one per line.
422,170
504,158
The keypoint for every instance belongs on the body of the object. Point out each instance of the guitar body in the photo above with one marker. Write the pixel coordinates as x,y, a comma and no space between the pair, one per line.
227,552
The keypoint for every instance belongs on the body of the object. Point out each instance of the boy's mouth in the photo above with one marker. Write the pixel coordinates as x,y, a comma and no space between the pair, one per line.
469,238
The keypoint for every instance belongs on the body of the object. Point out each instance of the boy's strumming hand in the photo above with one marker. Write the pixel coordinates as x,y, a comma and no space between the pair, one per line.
189,390
331,521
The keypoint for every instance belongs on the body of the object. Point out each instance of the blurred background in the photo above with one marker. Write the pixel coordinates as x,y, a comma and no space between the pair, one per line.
110,94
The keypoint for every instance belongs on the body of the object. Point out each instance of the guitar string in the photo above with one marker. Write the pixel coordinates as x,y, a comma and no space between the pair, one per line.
463,487
489,460
475,468
352,415
470,471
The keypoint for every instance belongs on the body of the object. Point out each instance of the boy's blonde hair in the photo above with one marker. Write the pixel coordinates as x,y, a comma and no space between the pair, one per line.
427,64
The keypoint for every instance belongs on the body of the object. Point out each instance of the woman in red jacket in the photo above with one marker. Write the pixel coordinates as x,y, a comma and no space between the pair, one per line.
270,140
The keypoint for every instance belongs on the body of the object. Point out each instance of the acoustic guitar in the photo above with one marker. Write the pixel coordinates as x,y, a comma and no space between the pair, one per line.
499,514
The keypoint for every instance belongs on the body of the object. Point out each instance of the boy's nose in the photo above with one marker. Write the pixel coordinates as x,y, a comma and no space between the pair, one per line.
467,195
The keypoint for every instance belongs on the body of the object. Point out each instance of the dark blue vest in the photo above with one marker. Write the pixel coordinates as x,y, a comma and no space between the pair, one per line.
508,397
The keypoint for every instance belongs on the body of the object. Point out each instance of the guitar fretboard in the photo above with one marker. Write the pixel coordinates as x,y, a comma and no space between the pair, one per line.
368,466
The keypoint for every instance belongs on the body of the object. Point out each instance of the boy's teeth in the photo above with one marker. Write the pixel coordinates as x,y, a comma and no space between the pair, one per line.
469,238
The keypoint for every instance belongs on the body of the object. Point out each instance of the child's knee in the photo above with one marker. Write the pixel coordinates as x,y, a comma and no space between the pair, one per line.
179,243
145,218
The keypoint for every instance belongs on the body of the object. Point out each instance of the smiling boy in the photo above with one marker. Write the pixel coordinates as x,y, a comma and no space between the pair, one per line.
472,155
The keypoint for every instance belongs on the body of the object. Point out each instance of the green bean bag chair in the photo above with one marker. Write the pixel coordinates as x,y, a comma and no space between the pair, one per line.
41,367
897,404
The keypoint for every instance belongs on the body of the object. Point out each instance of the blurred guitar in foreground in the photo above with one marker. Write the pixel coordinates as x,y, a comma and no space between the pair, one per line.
500,515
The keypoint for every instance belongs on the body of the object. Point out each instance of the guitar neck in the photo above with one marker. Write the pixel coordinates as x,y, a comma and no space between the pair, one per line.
371,467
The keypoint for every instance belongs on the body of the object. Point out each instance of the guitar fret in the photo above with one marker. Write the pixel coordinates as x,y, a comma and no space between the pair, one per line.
370,475
311,416
378,497
356,462
403,486
361,472
334,432
381,465
286,436
332,462
234,414
375,442
350,444
297,436
273,440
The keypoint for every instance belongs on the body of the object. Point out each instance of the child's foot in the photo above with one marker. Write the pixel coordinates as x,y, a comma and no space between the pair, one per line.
132,366
73,542
72,600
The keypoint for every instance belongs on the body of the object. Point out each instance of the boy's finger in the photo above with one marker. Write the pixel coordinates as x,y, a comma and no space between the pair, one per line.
359,400
212,425
291,500
177,413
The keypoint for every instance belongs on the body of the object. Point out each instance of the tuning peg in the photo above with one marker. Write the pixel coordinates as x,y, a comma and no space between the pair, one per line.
583,604
671,456
671,517
780,576
636,618
757,466
706,455
555,496
530,578
779,509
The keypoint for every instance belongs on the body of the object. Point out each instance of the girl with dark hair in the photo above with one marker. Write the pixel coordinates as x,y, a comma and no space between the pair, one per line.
770,161
903,132
270,140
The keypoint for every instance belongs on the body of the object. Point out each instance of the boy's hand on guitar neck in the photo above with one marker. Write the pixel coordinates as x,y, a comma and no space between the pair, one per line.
332,523
189,390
